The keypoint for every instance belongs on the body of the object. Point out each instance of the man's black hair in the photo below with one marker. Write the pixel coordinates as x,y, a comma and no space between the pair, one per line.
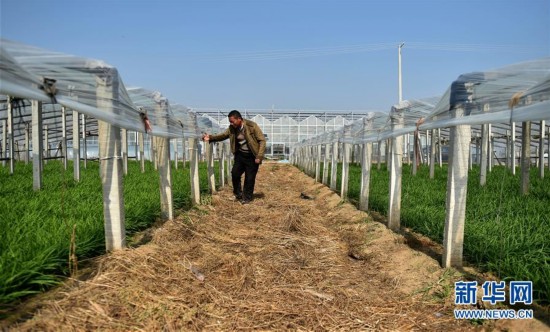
234,114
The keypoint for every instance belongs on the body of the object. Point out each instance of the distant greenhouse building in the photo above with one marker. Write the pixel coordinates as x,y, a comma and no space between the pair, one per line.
285,128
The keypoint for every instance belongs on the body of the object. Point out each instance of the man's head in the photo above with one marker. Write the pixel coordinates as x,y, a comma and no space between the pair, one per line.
235,119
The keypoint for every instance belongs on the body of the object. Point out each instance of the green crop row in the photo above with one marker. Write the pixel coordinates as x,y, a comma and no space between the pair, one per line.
506,233
37,226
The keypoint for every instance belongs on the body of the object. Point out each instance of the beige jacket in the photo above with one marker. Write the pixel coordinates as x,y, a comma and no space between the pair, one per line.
254,138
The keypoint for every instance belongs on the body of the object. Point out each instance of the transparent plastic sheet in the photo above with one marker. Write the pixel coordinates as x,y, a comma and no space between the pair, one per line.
188,119
207,125
15,80
80,83
156,108
51,118
486,96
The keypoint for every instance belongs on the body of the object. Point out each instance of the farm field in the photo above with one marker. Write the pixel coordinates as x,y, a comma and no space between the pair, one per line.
284,262
505,233
37,226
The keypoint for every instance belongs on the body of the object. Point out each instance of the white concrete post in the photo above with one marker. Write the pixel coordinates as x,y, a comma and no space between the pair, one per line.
221,163
457,186
366,156
165,177
76,146
11,142
388,153
136,146
153,152
4,140
64,136
513,148
27,143
396,165
432,154
124,135
525,156
141,140
162,158
439,147
84,141
318,164
325,164
229,163
541,149
36,109
346,147
209,147
334,166
508,163
110,166
17,151
470,157
46,144
311,161
408,148
184,151
478,149
491,142
415,152
484,154
379,154
176,154
194,171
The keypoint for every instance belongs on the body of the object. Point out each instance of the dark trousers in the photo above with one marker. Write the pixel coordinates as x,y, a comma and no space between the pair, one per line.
244,163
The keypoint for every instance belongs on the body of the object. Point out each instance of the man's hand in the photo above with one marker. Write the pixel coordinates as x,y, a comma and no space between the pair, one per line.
205,137
257,161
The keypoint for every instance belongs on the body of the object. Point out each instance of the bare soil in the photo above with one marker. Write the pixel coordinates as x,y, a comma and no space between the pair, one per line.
296,258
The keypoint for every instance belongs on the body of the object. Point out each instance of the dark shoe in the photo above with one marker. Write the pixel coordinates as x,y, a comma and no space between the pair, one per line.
246,201
239,197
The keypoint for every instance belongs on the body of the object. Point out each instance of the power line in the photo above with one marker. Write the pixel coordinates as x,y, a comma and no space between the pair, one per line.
363,48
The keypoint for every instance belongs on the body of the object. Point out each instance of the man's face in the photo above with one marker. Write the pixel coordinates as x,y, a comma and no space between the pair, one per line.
235,122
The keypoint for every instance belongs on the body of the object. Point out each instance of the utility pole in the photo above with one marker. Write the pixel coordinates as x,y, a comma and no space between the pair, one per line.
399,73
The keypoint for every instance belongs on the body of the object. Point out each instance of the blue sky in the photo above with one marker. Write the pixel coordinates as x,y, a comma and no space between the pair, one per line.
286,54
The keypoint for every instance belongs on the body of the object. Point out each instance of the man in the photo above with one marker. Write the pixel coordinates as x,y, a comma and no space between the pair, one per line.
248,145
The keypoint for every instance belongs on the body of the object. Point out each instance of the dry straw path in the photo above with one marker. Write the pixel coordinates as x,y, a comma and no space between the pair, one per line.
282,262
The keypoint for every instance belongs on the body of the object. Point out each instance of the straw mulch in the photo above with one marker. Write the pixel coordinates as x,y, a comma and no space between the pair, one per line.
296,258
